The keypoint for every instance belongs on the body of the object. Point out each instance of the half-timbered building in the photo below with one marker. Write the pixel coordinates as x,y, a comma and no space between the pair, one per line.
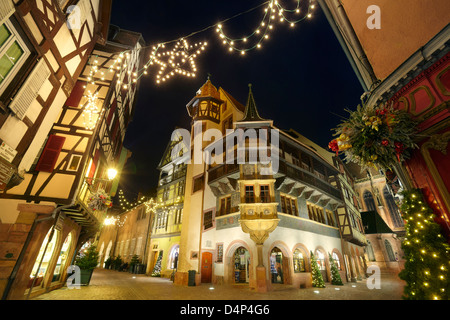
65,112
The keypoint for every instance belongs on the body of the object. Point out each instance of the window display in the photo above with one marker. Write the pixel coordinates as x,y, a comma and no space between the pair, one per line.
62,258
299,261
241,265
45,262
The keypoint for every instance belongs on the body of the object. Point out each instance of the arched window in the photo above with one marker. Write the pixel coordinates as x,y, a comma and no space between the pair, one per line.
370,252
336,260
173,257
320,258
299,261
43,259
393,209
60,264
368,200
389,250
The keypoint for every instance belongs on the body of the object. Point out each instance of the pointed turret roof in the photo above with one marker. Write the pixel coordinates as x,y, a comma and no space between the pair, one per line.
251,113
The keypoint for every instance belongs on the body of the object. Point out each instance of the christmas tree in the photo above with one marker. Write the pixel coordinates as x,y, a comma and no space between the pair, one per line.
335,276
426,252
157,269
317,279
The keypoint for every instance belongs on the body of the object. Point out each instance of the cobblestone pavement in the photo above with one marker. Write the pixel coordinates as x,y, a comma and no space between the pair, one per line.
114,285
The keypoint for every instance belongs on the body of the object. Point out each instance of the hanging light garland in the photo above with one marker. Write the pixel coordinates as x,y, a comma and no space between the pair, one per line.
180,60
91,113
274,13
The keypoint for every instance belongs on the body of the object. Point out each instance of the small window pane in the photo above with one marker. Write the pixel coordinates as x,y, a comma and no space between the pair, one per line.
9,59
4,34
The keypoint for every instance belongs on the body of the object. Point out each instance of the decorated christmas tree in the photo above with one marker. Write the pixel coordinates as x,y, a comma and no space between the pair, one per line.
335,276
317,279
157,269
427,262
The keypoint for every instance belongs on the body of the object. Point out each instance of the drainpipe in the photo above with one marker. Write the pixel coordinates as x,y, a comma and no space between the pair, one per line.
12,277
352,41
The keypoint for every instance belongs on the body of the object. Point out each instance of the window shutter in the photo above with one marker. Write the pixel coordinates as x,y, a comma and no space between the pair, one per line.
93,166
50,154
29,90
6,10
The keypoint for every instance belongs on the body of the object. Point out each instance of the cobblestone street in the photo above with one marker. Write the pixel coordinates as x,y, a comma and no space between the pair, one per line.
114,285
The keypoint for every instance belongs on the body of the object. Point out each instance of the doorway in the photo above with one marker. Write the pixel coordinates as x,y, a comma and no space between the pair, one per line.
276,266
241,265
206,267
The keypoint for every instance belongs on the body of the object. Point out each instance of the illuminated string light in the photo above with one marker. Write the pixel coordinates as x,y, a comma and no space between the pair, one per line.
91,112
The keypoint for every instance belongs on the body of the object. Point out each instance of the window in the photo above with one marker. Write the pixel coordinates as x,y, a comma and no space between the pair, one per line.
315,213
393,209
198,184
336,260
320,257
370,252
389,250
288,205
219,250
368,200
207,220
13,53
74,162
227,124
264,194
249,194
299,261
330,218
178,216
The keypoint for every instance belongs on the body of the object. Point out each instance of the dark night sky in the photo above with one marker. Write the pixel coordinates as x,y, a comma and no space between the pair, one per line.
301,78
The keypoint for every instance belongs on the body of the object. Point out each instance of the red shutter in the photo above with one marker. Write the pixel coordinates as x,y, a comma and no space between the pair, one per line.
93,166
50,154
76,94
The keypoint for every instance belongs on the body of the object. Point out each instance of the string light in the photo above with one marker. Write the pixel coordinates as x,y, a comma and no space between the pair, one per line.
261,33
91,113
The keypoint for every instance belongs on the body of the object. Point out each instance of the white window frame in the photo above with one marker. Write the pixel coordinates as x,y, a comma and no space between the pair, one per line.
26,53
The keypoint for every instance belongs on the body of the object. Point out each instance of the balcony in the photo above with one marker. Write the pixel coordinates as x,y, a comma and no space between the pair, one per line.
308,178
222,170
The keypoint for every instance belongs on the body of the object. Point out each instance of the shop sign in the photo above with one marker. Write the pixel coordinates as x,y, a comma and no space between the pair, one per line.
6,152
6,172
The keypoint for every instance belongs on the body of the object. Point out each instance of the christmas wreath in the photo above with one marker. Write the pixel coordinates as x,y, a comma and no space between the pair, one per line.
375,135
100,201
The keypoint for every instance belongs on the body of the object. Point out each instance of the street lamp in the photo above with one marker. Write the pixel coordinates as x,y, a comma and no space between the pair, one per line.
112,173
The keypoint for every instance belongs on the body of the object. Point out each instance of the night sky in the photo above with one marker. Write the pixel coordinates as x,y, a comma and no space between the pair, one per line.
301,77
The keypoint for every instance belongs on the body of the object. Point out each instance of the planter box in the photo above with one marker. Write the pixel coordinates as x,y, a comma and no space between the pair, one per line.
85,276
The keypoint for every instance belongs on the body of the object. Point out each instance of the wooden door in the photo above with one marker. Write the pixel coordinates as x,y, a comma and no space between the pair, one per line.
206,267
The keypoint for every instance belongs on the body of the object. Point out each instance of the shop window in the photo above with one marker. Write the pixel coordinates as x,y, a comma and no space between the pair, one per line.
173,257
336,260
299,261
45,254
60,264
320,258
241,265
276,265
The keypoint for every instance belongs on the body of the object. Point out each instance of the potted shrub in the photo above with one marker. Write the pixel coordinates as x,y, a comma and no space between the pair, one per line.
87,261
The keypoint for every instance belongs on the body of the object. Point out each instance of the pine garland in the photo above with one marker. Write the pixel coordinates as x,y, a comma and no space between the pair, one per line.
427,262
375,135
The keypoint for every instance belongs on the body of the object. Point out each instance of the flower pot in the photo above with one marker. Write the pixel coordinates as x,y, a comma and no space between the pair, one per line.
85,276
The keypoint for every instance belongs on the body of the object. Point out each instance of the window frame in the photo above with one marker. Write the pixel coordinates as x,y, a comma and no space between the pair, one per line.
14,37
